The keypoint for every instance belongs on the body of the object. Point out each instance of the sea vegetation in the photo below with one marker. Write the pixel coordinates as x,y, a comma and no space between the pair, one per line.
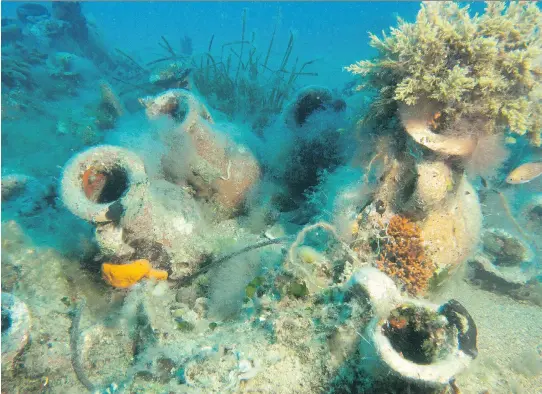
229,305
485,67
234,77
240,80
450,87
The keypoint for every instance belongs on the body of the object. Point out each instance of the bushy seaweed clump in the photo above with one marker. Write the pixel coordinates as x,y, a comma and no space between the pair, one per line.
485,67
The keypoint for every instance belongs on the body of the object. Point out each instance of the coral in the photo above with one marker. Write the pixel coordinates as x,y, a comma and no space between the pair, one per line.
481,67
126,275
403,256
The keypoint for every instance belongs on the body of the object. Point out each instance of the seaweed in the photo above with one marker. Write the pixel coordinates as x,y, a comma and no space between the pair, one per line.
253,88
131,59
467,67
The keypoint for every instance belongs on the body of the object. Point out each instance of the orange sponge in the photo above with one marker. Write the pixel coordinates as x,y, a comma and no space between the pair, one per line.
126,275
157,274
403,257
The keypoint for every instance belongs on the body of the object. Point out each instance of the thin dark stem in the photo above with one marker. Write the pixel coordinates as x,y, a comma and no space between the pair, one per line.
270,46
130,58
288,52
160,60
242,45
211,43
231,255
168,47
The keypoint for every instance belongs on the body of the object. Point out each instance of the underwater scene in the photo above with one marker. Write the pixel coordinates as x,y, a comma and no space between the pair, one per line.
271,197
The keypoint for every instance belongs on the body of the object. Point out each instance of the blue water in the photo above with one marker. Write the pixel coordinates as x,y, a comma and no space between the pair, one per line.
229,209
338,39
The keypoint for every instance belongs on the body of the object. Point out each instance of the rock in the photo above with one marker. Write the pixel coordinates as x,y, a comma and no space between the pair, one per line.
310,100
23,194
515,281
45,29
11,31
13,186
109,240
211,370
107,353
532,212
70,11
62,65
15,329
505,249
31,12
170,75
492,277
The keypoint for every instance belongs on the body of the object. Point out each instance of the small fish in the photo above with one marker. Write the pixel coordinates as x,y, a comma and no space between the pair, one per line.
525,173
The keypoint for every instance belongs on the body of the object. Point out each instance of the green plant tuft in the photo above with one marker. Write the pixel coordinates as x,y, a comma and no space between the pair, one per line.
485,66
